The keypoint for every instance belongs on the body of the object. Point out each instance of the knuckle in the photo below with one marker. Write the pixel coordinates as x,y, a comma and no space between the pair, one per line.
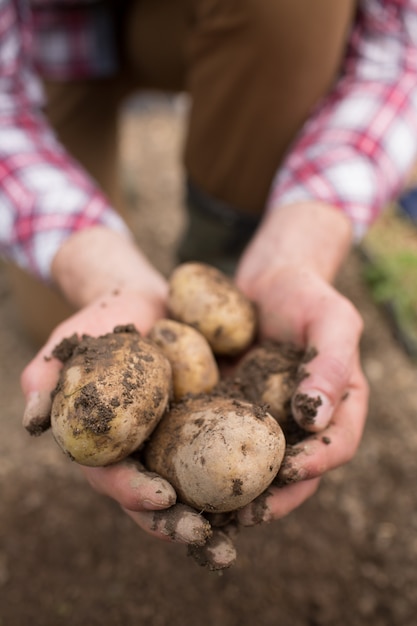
352,315
337,376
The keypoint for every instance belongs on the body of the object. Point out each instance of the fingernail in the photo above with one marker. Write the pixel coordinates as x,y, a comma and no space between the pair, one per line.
37,413
164,496
182,525
193,529
312,410
216,554
159,493
152,505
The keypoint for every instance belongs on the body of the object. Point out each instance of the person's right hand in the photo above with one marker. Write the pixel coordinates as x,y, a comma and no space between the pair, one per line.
106,277
148,499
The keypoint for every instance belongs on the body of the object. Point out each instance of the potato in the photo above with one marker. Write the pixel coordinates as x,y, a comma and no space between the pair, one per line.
267,375
205,298
218,453
194,368
112,392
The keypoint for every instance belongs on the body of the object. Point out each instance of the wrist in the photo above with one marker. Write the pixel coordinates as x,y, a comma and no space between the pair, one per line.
312,236
97,261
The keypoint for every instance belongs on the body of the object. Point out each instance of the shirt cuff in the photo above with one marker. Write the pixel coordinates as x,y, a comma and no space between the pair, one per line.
35,251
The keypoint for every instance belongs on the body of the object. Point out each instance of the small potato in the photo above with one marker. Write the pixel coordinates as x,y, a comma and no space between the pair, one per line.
112,392
204,297
268,374
218,453
194,368
277,395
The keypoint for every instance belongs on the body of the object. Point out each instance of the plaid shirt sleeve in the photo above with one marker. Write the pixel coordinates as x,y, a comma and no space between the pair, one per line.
357,148
44,195
74,40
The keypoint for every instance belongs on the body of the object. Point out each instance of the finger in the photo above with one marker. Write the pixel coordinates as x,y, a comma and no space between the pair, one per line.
216,554
133,487
179,523
277,502
335,445
38,381
334,332
42,373
37,413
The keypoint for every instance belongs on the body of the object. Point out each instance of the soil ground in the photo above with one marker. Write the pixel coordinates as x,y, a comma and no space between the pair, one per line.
347,557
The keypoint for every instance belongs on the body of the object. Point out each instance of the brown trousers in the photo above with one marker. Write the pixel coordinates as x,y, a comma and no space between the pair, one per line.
253,69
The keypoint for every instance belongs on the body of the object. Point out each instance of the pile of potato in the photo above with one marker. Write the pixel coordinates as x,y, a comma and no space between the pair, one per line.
218,440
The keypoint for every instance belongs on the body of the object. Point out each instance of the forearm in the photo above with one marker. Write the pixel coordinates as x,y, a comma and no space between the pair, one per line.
311,235
97,261
356,149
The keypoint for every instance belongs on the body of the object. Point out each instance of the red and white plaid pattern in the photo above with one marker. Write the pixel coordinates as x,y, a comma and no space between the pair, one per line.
358,146
44,195
354,152
74,40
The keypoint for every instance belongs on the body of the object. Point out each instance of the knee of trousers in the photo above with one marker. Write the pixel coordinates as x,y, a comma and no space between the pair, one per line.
257,67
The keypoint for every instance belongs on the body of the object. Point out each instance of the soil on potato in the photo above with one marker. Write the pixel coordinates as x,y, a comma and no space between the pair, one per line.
347,557
88,352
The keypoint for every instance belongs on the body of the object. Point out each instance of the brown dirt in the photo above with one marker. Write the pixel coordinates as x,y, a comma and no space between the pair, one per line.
347,557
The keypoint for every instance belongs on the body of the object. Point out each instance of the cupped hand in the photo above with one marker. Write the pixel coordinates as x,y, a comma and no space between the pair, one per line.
296,305
146,497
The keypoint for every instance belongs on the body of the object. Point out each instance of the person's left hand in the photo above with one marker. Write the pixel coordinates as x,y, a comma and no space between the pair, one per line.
296,304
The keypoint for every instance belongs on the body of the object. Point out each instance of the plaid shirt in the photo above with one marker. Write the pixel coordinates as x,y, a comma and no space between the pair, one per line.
358,146
354,152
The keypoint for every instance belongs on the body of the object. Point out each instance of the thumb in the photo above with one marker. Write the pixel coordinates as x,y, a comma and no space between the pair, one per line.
38,380
334,337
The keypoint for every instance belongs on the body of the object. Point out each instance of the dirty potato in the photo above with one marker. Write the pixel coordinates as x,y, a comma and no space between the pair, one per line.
194,368
218,453
205,298
111,394
268,374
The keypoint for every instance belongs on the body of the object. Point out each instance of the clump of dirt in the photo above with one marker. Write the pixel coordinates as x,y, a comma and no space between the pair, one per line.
65,349
93,348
